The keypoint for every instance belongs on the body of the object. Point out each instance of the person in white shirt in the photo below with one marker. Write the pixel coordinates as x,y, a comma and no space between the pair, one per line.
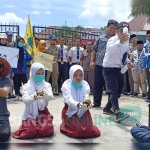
75,53
114,59
76,118
62,63
36,119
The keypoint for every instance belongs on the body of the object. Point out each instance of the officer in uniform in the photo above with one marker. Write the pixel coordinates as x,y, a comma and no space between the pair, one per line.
62,62
75,53
53,50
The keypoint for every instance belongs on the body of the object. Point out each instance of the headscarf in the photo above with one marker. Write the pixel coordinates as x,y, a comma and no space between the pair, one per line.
39,46
78,95
33,87
73,69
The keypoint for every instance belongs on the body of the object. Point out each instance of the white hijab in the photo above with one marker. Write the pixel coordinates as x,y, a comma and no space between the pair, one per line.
77,94
32,109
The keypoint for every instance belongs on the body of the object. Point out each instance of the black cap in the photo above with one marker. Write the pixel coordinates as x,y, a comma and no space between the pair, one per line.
36,38
148,32
123,24
140,42
112,22
132,36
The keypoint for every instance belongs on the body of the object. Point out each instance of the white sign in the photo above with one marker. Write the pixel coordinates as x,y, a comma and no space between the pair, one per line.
10,54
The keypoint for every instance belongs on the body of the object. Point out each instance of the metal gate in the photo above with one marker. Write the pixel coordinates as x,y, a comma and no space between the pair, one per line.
10,27
68,32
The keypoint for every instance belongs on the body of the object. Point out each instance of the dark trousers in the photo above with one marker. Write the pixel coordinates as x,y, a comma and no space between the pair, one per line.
4,130
62,68
18,78
68,69
114,82
126,87
98,85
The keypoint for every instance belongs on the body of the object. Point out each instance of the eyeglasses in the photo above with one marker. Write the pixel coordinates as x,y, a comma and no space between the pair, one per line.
148,36
112,22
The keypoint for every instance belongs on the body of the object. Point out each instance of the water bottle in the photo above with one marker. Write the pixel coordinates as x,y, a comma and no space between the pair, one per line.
125,30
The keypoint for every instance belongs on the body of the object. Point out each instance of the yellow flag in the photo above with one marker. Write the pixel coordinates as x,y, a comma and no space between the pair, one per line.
29,40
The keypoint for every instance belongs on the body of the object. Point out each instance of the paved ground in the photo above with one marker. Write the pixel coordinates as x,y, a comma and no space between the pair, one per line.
110,131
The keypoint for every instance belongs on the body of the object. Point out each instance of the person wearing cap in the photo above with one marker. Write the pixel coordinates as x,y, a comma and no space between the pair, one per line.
5,88
10,42
114,63
75,53
53,50
147,58
138,71
20,73
97,56
62,62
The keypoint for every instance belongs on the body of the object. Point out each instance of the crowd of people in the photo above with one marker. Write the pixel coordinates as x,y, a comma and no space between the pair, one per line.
77,72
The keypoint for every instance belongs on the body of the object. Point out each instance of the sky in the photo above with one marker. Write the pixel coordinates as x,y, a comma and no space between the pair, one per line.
87,13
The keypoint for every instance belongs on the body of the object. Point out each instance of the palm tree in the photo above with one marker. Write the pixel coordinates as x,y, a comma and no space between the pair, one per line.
141,7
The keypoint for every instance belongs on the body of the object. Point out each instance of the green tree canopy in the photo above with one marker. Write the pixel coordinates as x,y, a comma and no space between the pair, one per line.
141,7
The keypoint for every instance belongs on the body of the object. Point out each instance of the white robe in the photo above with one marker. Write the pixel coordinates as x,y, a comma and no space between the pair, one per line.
73,96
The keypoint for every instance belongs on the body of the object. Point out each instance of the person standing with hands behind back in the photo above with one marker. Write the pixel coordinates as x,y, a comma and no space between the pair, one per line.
97,56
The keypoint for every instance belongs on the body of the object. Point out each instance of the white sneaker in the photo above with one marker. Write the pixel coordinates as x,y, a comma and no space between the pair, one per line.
8,100
16,99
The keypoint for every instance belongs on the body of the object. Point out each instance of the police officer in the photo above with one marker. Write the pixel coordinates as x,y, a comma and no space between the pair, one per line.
62,62
75,53
53,50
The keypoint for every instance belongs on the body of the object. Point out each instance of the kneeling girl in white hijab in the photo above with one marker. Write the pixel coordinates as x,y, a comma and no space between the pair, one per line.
76,118
36,119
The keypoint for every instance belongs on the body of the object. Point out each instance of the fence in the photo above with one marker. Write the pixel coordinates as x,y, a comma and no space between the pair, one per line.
68,32
15,29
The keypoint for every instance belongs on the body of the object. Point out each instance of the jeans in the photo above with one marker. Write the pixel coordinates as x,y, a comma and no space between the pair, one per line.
4,130
114,82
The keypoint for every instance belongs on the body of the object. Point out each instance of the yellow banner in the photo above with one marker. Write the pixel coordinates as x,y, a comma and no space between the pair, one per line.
29,40
45,59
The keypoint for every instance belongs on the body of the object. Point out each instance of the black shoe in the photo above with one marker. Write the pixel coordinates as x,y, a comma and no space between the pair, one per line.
135,95
96,106
121,116
12,96
125,93
144,95
55,92
132,93
20,94
108,112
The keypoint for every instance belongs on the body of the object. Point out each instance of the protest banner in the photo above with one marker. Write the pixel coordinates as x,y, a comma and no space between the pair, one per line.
45,59
10,54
